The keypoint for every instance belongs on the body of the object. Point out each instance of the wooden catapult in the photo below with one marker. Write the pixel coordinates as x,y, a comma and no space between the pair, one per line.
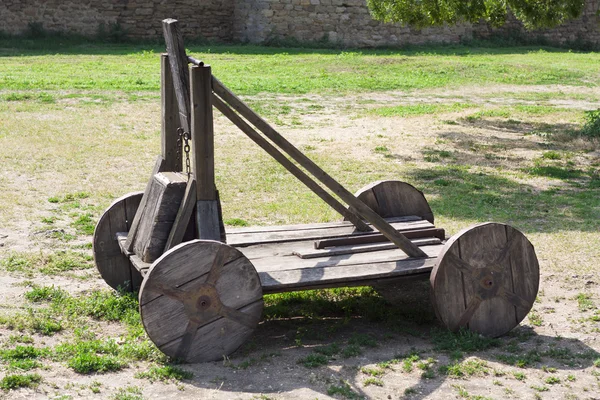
201,288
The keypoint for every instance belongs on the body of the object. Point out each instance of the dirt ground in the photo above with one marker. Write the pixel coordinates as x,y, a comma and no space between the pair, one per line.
267,367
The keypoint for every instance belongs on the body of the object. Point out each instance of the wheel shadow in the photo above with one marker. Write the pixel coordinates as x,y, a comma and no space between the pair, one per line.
304,356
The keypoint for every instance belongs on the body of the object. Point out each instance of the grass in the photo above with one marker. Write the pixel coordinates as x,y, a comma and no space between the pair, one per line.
16,381
165,373
135,68
521,162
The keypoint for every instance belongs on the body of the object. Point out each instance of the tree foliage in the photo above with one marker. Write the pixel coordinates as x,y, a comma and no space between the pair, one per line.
421,13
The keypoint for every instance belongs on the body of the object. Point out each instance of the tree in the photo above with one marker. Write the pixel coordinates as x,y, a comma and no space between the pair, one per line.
421,13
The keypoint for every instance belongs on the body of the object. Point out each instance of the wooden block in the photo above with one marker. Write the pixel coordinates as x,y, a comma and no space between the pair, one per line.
207,216
164,198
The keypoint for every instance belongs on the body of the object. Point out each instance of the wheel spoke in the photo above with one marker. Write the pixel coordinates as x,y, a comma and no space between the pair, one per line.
459,263
505,253
238,316
217,265
173,293
516,300
187,339
466,317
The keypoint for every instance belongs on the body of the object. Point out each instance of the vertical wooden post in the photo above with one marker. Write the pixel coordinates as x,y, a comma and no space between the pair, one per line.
203,161
179,69
170,117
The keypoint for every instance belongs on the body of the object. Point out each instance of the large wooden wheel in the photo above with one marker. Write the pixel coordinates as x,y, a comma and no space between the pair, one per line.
395,199
200,301
486,279
114,267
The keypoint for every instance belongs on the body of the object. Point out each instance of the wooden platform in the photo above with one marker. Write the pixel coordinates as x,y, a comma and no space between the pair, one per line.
286,259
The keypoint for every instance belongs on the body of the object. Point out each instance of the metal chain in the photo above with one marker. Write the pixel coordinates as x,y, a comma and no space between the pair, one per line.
179,141
186,150
183,136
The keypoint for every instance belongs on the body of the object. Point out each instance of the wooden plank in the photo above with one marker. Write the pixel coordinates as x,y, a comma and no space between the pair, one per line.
203,160
491,314
247,239
179,69
121,239
384,280
203,147
280,281
362,209
207,220
304,227
221,224
158,167
169,117
184,214
360,248
287,164
164,199
376,238
291,262
525,272
139,265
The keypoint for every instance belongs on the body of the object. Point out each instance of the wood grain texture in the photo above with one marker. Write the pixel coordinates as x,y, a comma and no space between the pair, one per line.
247,239
169,117
207,220
194,319
184,214
377,238
362,209
330,276
288,165
486,279
304,227
179,69
360,248
159,165
395,199
113,265
163,203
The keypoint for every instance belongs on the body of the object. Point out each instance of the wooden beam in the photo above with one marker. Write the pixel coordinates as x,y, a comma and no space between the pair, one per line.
158,167
203,147
287,164
203,160
179,69
360,207
170,117
377,238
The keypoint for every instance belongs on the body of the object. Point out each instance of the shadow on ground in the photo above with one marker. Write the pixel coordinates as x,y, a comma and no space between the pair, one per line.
278,359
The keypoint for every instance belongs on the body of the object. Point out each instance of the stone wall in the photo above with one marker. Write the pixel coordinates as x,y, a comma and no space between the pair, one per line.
211,19
348,23
341,22
344,22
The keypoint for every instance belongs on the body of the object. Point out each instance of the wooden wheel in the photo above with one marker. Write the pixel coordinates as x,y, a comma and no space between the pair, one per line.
395,199
200,301
114,267
486,279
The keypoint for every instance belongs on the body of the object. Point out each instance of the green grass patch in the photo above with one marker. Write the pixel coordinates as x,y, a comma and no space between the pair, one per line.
585,302
591,126
344,390
465,369
291,70
461,341
84,224
415,110
314,360
16,381
165,373
372,381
